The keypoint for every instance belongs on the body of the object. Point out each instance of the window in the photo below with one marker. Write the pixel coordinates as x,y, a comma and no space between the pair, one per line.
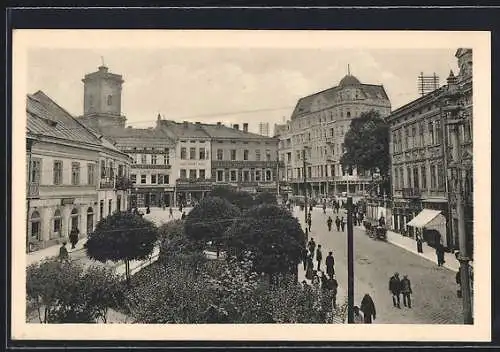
192,153
183,153
421,131
35,226
245,154
407,138
58,167
57,222
153,159
401,178
192,174
101,209
202,154
433,177
467,131
183,173
220,175
75,173
110,99
166,179
408,175
161,179
143,179
220,154
257,175
257,155
144,159
35,170
201,173
153,179
415,178
110,207
268,155
424,177
396,179
268,175
233,175
133,178
121,170
440,177
111,170
289,157
348,113
90,174
246,176
431,132
438,132
233,154
413,136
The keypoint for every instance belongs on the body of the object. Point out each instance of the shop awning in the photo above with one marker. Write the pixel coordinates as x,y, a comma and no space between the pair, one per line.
425,218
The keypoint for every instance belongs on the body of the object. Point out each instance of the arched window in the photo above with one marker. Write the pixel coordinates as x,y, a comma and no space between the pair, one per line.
36,230
57,221
90,220
74,218
110,99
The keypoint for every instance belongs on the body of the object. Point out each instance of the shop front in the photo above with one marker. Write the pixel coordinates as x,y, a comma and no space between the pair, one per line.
188,193
152,197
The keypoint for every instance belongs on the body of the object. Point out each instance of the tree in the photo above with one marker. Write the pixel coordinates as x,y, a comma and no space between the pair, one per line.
367,145
210,219
122,236
265,198
240,199
272,236
65,293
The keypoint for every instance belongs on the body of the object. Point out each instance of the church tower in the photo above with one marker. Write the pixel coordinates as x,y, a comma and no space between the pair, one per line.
102,99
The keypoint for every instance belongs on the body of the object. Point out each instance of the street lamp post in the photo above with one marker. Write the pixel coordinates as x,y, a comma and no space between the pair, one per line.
305,186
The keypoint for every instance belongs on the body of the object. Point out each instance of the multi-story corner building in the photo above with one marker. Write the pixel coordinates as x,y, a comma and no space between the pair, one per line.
317,129
245,160
420,155
71,174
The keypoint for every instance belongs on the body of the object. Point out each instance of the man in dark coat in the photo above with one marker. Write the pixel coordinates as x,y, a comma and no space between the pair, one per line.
395,289
342,223
440,254
337,223
63,253
73,237
304,257
330,264
406,291
309,223
319,256
368,308
329,223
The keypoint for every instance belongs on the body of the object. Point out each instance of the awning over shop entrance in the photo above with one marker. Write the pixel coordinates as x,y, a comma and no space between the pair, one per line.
430,220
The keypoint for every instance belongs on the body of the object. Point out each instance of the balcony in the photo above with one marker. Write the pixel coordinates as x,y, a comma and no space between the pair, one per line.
123,183
33,190
106,184
245,164
412,193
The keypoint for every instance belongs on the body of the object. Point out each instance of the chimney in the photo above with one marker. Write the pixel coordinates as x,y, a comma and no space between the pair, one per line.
198,125
236,126
245,127
159,117
218,123
185,123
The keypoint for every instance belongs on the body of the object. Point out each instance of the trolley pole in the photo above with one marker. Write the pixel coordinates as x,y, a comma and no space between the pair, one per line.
350,263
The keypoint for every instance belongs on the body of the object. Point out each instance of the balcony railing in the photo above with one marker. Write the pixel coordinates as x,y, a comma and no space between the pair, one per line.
33,189
412,193
106,184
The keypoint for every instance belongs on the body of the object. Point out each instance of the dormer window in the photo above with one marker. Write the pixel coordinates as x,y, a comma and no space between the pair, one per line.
110,99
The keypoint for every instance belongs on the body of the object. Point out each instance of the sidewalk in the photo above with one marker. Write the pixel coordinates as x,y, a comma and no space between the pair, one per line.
53,251
429,253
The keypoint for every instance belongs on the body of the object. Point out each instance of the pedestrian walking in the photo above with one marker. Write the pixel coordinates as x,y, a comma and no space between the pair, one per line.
337,223
304,257
324,208
63,253
395,289
368,308
330,264
309,223
440,254
329,223
342,223
319,256
309,267
406,291
73,237
148,210
171,213
163,206
333,287
183,215
381,221
311,246
419,244
358,316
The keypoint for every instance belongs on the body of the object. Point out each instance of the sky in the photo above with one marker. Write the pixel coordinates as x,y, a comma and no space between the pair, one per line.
229,85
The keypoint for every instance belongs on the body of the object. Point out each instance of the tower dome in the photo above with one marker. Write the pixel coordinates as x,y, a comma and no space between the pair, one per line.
349,80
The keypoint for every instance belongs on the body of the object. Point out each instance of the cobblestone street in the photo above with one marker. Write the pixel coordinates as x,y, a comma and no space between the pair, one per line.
434,299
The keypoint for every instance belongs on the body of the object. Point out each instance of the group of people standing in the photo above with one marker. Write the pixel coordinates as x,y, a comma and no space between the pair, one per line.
319,279
399,287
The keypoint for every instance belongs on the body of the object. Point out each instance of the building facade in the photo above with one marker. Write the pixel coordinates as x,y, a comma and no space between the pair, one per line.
317,130
421,154
264,129
66,180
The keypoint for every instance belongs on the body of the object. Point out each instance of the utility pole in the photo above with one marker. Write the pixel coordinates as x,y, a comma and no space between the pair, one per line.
305,185
463,258
350,263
